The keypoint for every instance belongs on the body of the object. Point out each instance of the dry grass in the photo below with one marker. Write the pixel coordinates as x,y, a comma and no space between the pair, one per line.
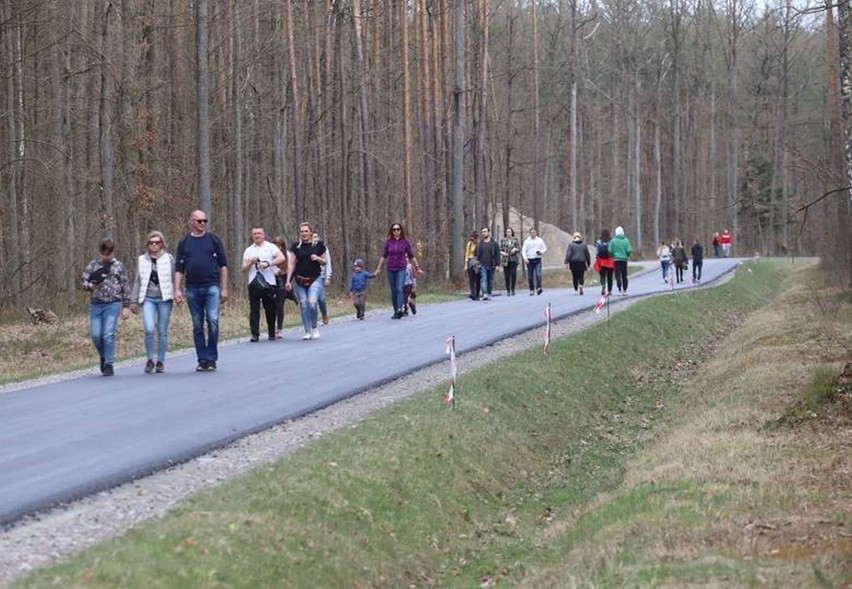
727,485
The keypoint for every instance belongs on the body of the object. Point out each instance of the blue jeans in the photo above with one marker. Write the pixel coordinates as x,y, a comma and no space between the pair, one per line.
308,297
203,302
534,273
396,280
321,297
665,265
156,314
103,318
486,280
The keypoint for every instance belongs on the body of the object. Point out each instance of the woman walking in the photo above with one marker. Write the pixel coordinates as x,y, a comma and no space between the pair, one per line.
604,262
397,253
307,260
665,256
510,248
153,290
621,250
471,265
578,260
681,260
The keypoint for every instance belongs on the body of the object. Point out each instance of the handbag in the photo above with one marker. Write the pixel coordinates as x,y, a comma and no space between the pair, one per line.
259,286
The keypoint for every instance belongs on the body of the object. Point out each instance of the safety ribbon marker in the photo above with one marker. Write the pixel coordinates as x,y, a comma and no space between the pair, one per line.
671,280
548,319
450,398
601,303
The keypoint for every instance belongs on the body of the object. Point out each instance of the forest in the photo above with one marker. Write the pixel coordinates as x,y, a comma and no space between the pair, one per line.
671,118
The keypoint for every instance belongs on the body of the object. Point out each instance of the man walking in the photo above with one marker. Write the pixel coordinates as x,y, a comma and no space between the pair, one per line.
488,254
261,257
697,261
532,250
201,270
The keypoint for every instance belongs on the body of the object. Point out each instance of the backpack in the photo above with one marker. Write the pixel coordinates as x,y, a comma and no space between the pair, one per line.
603,249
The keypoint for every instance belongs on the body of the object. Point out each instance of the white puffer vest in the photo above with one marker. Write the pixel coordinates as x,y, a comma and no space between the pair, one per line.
165,269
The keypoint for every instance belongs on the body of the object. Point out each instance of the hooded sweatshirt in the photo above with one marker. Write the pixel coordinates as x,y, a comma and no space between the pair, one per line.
619,247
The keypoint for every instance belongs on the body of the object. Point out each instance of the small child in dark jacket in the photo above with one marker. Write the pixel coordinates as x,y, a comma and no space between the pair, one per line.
358,287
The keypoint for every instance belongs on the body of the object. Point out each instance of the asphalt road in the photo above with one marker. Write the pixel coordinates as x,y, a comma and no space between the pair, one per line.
64,440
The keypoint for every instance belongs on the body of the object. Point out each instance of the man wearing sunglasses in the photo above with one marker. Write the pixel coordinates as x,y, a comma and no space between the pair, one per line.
202,271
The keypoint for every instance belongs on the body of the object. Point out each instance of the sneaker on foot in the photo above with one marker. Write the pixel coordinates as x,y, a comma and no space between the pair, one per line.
149,367
201,367
108,371
159,368
315,333
279,334
538,291
581,289
103,363
211,367
532,293
307,335
254,338
413,308
272,337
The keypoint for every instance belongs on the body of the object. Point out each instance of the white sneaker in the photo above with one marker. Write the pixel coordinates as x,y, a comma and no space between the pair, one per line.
315,333
307,335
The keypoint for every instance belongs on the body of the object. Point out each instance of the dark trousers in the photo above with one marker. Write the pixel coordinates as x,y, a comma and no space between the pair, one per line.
510,275
534,273
621,275
473,282
606,280
268,302
696,268
578,273
679,273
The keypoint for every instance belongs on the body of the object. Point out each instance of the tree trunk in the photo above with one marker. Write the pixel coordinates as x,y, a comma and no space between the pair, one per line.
202,91
457,233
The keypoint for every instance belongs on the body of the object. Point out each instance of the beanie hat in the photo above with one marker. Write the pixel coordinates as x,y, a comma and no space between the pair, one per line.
358,262
619,231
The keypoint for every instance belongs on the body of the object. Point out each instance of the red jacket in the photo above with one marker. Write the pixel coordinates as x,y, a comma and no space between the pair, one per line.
725,238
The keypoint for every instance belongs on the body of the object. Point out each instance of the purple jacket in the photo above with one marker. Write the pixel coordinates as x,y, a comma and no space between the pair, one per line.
397,253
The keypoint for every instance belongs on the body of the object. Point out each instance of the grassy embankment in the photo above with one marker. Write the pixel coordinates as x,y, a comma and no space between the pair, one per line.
695,441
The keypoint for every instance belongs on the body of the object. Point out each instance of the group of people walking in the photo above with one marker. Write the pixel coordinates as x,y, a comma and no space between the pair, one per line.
483,255
198,274
674,259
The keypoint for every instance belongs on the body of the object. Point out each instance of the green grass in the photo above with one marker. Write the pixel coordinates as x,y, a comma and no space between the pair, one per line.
497,490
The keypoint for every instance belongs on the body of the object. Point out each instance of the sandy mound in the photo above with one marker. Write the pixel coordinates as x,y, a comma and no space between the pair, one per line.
556,240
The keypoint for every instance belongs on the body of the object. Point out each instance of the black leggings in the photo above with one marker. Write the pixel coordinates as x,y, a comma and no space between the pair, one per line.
606,280
578,273
621,275
473,282
510,275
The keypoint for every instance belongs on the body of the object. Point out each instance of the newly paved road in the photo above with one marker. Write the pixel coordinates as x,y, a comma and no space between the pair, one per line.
65,440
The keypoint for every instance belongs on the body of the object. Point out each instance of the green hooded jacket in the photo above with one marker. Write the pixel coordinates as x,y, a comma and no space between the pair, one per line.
620,248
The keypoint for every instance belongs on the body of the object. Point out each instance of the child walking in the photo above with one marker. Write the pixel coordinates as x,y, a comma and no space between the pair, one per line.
409,290
358,287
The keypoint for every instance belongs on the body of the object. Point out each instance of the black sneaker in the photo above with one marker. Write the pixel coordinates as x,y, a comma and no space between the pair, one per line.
397,315
254,338
159,368
538,292
149,367
103,363
211,367
108,371
202,366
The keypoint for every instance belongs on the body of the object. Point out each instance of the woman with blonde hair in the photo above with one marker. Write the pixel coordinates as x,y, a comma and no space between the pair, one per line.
154,291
